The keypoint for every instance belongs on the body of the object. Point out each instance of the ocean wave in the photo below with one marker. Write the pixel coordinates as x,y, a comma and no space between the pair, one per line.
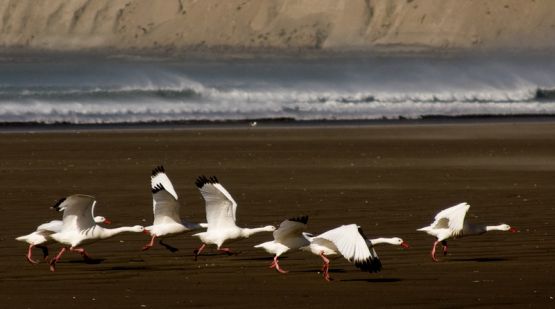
81,91
191,111
91,94
189,101
198,91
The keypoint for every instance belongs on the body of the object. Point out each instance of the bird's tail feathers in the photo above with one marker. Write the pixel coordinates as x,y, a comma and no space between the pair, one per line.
262,245
22,238
308,236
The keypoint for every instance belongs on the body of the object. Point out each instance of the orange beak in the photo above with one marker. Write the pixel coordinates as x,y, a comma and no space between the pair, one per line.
513,230
146,232
405,245
106,221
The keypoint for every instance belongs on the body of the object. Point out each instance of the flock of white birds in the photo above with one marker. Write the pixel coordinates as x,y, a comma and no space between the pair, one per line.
80,227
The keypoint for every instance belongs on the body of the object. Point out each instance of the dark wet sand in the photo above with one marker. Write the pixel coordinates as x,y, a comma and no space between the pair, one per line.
390,179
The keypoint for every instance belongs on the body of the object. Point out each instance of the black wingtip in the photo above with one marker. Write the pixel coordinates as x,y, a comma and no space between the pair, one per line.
361,233
58,203
157,188
371,265
202,180
303,219
157,170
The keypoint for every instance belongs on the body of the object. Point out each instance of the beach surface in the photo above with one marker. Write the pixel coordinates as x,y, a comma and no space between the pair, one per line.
390,179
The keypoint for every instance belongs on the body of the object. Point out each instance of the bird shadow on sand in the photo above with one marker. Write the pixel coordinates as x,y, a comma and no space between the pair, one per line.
375,280
88,261
214,254
331,270
116,268
481,260
269,259
149,268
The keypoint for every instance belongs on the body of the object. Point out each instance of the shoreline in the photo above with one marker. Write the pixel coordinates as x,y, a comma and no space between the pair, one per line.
272,124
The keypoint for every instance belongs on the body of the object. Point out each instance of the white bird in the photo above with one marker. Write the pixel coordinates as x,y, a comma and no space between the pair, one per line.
348,241
220,215
40,238
167,221
395,241
289,236
79,227
450,223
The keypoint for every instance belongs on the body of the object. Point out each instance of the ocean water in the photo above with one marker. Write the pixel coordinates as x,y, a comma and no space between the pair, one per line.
118,90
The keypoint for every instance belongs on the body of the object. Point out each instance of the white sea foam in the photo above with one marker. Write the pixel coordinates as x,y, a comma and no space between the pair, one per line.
368,93
76,112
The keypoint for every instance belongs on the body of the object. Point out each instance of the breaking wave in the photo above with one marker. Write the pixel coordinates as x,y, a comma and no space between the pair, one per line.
176,96
158,105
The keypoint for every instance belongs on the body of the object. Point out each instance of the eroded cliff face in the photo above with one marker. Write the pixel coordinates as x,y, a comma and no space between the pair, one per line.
278,24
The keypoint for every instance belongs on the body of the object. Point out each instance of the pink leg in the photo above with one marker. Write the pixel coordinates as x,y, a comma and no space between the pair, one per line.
30,255
444,244
81,251
326,261
198,251
275,264
325,267
150,244
226,250
434,251
56,259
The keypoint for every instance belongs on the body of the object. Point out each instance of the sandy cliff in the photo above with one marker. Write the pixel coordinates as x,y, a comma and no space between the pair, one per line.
373,25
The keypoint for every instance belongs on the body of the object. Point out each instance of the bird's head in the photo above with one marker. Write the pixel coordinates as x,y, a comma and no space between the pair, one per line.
269,228
506,227
138,229
510,228
101,219
400,242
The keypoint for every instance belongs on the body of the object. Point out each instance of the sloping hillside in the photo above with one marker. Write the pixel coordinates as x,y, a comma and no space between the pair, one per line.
139,25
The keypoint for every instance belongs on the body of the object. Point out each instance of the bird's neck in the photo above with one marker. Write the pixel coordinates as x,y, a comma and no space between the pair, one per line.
107,233
494,228
382,240
248,232
470,229
194,226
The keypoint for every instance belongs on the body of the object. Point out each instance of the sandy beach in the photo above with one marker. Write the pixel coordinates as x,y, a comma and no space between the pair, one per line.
391,179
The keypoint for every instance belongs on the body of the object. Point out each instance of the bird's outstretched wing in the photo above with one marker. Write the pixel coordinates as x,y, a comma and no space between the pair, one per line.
293,227
351,243
166,208
164,199
159,176
220,206
452,219
78,211
53,226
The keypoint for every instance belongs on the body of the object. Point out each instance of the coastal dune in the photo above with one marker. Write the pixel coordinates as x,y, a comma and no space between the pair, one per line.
242,25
